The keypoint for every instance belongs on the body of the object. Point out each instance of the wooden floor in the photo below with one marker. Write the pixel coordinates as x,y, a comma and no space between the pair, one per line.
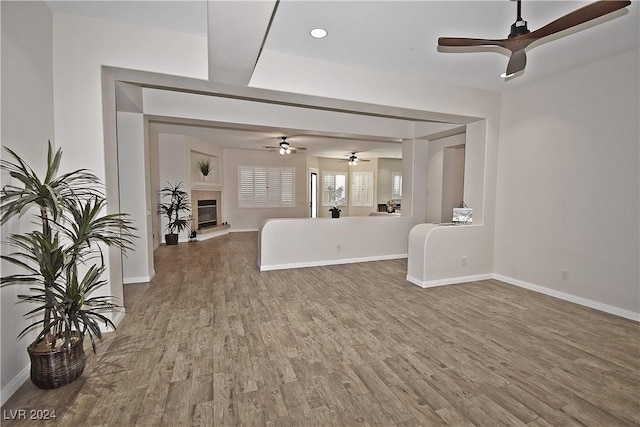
212,341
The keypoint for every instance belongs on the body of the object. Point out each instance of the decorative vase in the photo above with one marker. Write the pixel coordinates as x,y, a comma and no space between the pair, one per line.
335,213
59,367
391,209
171,239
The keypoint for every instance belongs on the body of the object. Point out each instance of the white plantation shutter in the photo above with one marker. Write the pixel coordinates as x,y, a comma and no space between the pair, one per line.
274,189
396,185
328,182
287,197
332,182
362,189
262,187
245,192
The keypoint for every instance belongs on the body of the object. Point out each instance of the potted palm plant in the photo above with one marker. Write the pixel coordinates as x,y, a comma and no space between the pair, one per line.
175,210
61,262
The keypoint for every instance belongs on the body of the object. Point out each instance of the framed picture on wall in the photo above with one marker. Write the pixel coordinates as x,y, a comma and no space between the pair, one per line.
463,215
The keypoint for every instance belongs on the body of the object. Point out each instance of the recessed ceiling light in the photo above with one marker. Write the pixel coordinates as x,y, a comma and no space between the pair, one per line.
318,33
506,76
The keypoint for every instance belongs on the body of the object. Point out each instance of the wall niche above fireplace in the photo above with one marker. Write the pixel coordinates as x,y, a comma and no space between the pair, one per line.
213,181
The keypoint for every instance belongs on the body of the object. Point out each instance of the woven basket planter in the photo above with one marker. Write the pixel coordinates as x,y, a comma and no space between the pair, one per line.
57,368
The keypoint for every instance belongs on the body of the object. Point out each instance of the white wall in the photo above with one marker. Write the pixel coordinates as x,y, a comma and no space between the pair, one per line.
437,252
304,242
252,218
81,46
435,176
452,181
386,167
440,255
174,167
27,122
135,195
568,184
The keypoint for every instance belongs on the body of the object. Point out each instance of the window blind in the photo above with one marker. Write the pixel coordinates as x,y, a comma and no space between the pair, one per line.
266,187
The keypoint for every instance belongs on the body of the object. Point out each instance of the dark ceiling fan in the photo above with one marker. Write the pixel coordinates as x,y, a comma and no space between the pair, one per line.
520,37
354,159
284,147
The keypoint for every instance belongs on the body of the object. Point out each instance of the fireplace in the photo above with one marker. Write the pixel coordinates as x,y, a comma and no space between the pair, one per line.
207,213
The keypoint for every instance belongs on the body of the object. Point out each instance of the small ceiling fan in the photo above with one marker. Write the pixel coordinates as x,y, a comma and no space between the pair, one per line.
353,159
284,147
520,37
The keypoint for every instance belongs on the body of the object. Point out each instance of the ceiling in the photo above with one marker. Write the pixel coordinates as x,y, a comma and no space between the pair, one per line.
397,37
317,144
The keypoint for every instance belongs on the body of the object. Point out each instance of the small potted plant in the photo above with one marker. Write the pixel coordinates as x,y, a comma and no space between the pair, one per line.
175,210
391,206
336,198
205,168
71,230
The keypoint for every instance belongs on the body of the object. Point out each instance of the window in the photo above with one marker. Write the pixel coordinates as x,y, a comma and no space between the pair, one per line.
396,185
362,189
334,186
266,187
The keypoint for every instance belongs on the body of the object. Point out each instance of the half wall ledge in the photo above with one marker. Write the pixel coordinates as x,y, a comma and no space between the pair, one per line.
309,242
441,254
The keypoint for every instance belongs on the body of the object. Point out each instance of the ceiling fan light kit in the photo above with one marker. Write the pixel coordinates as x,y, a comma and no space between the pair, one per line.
285,148
520,37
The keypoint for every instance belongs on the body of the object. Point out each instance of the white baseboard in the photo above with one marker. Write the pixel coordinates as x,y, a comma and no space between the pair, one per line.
15,383
448,281
119,316
617,311
242,230
207,236
330,262
141,279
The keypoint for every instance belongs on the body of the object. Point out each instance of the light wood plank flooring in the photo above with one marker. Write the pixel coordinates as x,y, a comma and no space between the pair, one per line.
212,341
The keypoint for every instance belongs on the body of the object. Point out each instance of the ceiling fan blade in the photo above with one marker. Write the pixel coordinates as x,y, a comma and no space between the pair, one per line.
517,62
462,42
580,16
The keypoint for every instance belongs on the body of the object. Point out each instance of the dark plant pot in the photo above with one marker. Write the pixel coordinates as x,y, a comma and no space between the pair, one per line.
57,368
335,214
171,239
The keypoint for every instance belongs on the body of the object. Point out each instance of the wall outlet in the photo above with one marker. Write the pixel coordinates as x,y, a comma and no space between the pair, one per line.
564,274
464,260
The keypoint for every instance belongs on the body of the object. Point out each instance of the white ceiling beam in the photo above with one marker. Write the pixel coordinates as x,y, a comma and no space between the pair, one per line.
236,32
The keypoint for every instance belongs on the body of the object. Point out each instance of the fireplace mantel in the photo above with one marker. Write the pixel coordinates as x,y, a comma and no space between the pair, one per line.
206,186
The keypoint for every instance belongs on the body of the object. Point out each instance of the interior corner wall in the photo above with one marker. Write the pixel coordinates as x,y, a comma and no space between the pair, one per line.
568,184
415,156
435,176
386,167
133,167
27,122
452,181
154,182
174,167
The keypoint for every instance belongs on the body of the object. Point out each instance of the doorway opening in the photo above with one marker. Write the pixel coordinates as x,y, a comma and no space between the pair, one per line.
313,193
